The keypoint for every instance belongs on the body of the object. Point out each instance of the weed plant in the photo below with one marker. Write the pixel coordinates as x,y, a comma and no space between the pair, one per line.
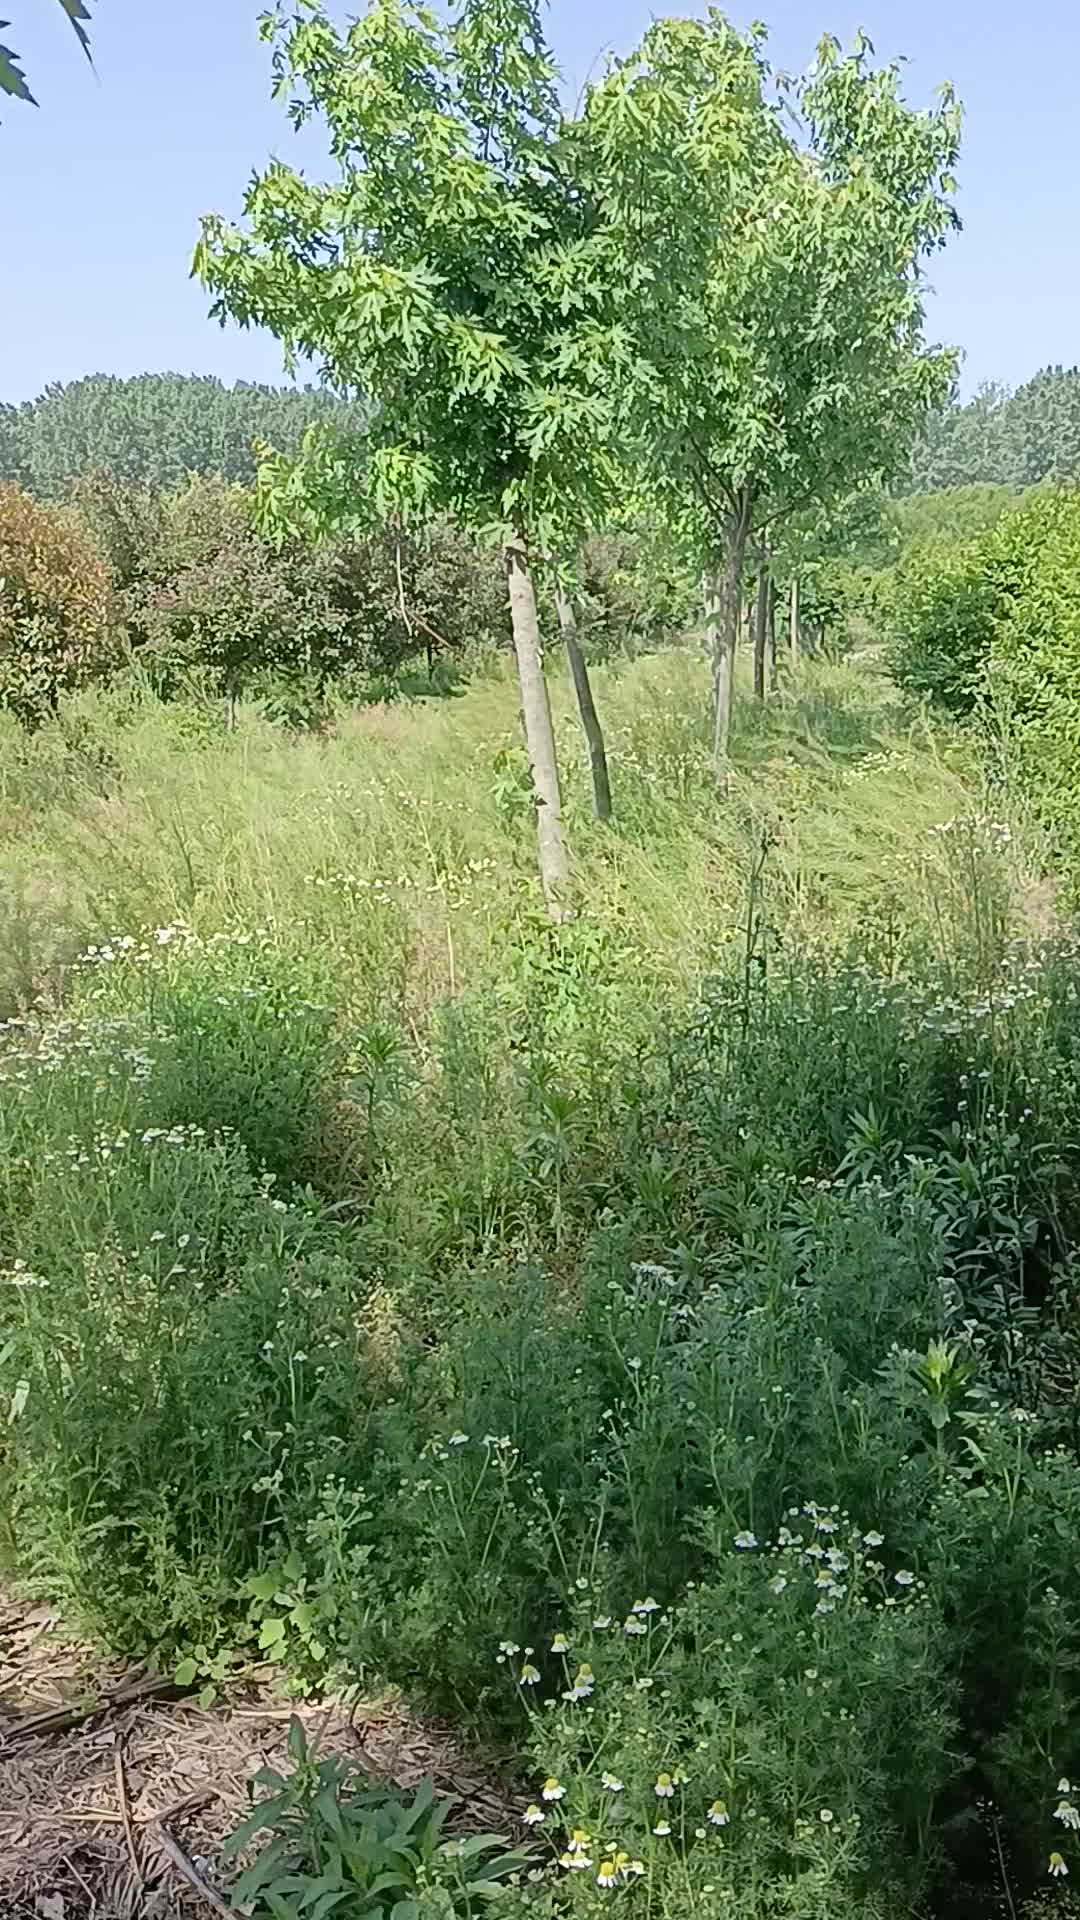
652,1341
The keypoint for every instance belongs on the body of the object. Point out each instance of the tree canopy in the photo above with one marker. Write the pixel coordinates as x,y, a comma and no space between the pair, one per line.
1003,438
155,428
772,238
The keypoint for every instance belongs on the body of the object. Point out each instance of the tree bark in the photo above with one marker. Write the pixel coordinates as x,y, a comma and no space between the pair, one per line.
539,733
761,622
590,719
794,619
770,645
724,584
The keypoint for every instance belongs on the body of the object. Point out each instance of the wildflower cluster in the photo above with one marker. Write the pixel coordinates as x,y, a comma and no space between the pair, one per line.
1067,1813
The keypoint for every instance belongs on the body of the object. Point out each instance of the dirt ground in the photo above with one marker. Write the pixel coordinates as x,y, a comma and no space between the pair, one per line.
116,1793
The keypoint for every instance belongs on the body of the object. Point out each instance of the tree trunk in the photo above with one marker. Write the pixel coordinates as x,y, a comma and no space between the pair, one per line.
770,645
794,619
539,734
722,623
761,622
590,719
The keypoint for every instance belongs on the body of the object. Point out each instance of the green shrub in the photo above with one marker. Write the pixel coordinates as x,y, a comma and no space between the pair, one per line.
632,593
298,620
993,624
1035,658
940,606
57,620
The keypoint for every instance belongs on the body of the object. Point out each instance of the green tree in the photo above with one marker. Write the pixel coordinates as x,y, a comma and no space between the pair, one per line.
778,346
12,77
452,272
154,429
998,438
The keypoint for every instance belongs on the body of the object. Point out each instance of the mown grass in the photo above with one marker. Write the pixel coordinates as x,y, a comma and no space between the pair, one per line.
400,1288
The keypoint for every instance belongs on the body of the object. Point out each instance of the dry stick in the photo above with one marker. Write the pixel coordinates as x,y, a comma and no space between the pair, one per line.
191,1872
125,1815
415,619
60,1719
89,1891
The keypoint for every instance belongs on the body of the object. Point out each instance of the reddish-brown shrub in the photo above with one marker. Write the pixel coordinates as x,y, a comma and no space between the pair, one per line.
57,630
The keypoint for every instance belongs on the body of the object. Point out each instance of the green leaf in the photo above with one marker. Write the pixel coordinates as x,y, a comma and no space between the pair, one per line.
271,1633
12,77
185,1673
77,13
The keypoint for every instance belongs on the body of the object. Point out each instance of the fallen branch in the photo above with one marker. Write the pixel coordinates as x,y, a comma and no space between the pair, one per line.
190,1871
62,1719
125,1815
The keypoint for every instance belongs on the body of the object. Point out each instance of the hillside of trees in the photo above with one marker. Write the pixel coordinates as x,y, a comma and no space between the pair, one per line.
155,428
1003,438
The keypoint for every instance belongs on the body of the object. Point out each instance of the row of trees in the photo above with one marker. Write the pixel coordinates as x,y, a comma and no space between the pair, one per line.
1003,438
701,289
154,429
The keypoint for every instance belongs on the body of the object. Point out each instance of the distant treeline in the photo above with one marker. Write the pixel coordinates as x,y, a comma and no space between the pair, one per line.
1003,438
154,429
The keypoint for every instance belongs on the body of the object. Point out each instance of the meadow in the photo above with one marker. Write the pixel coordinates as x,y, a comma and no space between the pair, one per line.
648,1341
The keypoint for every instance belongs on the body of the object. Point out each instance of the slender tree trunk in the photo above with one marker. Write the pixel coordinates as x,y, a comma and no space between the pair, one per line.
590,719
539,733
793,613
770,647
761,622
722,623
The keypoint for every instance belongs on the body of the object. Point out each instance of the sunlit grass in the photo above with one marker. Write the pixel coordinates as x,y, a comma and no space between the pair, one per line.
404,841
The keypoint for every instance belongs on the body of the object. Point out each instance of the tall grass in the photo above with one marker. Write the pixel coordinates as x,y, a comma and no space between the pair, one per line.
403,842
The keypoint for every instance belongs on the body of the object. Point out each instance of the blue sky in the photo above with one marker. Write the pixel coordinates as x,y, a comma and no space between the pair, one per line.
104,184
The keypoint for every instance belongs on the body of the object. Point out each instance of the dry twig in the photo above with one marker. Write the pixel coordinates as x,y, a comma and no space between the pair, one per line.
125,1815
190,1871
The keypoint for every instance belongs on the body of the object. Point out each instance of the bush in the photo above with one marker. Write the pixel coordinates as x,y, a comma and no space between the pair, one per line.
993,624
632,593
298,620
57,618
939,607
1035,658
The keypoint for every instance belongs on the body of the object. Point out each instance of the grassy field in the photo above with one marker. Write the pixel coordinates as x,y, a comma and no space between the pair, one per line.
651,1341
404,840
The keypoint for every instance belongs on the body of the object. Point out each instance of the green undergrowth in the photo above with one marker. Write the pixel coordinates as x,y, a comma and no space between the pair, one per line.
651,1341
